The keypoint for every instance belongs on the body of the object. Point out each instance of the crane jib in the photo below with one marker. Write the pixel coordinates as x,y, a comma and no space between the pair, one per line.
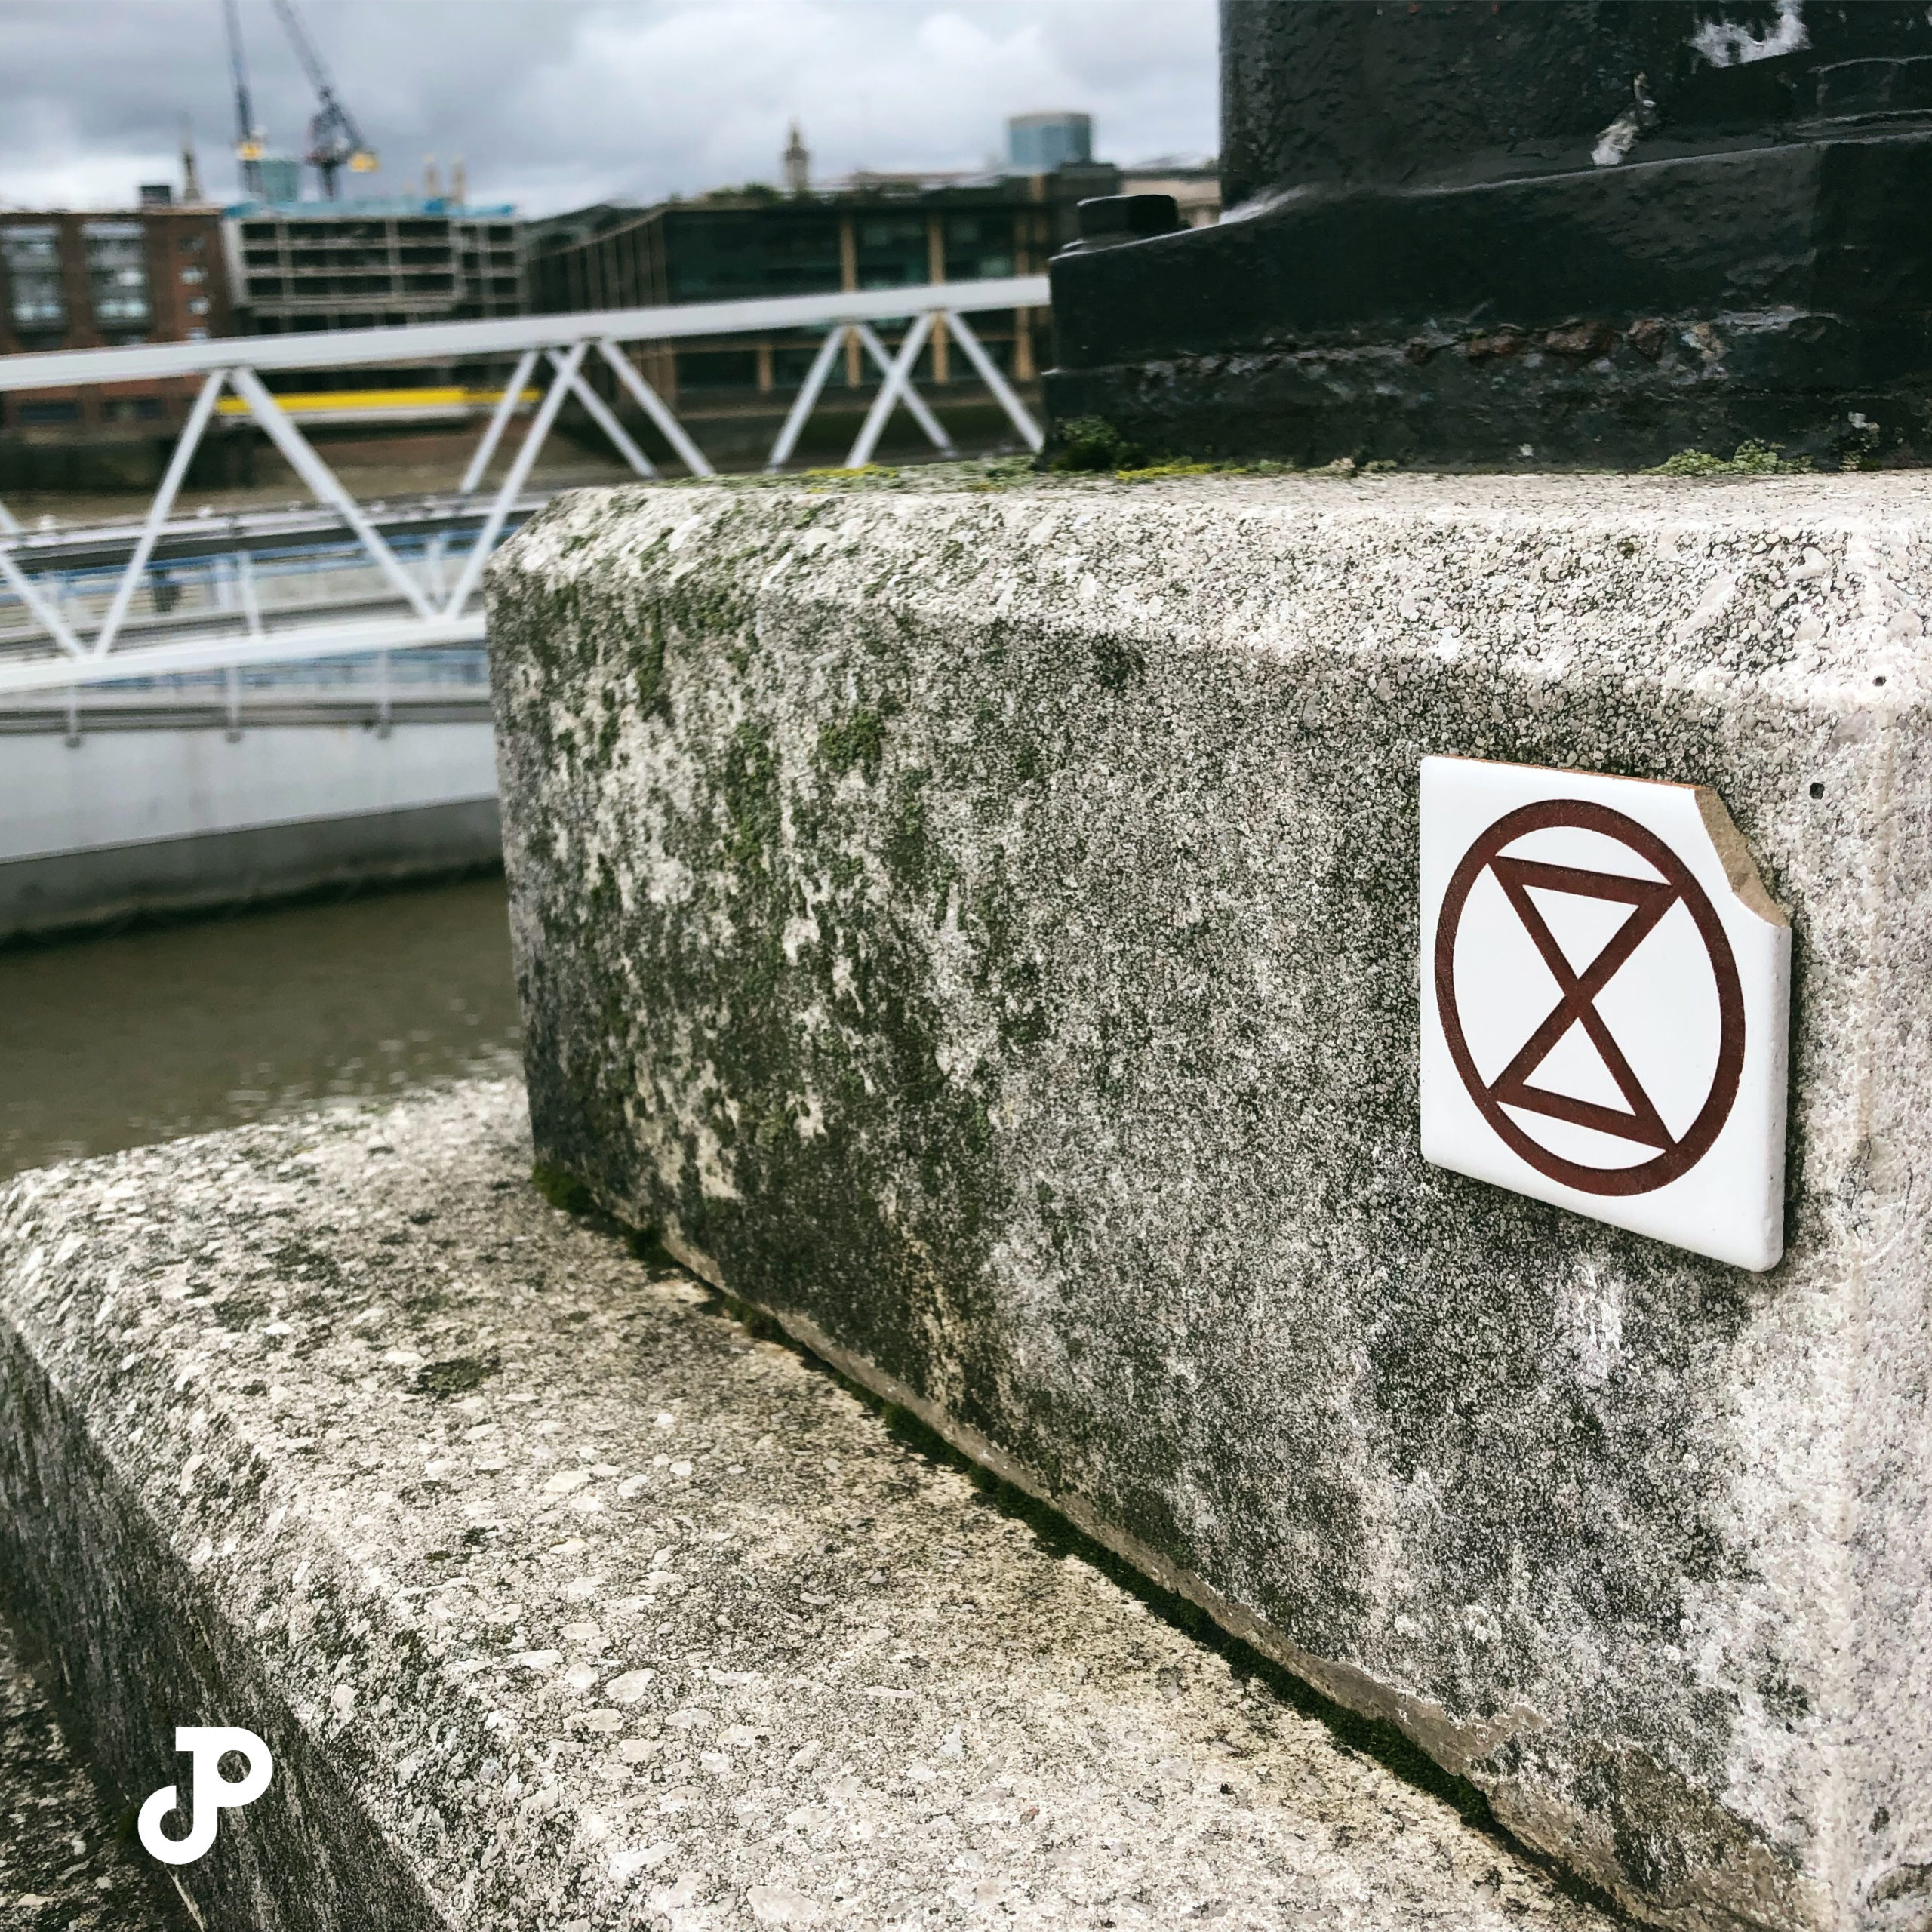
335,142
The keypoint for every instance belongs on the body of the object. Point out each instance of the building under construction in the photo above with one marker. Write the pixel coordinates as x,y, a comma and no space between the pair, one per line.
298,266
369,264
309,266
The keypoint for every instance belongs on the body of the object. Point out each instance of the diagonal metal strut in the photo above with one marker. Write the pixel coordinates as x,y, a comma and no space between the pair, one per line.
512,486
499,417
647,399
601,413
163,502
807,399
323,482
897,387
988,372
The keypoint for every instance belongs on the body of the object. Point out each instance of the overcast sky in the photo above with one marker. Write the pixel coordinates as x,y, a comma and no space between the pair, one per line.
555,103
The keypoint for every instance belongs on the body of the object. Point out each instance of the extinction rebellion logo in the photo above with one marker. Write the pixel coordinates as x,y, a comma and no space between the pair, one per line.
1634,1117
1605,1002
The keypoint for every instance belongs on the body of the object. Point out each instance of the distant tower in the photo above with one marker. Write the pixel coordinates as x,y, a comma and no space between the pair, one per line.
459,181
432,179
191,175
798,163
1039,144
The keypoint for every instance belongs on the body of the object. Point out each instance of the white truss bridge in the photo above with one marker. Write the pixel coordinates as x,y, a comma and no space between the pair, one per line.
379,603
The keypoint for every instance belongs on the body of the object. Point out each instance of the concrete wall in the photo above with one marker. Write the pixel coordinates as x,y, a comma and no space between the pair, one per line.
135,820
982,928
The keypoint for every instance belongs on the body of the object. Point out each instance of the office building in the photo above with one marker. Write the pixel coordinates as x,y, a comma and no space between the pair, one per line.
152,273
872,231
1039,144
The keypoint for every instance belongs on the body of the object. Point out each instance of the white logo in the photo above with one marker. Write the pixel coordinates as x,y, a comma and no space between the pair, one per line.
212,1793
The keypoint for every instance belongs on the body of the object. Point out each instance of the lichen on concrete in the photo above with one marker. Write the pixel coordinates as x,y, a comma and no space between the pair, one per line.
565,1603
986,938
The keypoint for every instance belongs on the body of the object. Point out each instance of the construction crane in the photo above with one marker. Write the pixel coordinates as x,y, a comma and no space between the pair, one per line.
334,141
248,135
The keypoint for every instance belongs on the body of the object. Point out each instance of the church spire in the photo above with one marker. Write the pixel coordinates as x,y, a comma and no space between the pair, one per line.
798,163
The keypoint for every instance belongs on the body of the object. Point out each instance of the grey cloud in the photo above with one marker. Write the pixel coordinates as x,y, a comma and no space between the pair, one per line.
555,102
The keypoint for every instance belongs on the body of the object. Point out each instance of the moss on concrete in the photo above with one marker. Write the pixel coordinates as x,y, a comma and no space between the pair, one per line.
995,945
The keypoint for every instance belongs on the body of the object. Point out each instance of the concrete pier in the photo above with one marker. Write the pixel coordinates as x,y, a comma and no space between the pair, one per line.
981,927
566,1602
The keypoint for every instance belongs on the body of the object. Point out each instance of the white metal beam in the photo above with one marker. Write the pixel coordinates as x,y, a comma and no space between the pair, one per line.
511,486
345,349
654,406
322,481
896,385
192,655
600,413
806,401
48,614
989,372
499,417
909,393
163,501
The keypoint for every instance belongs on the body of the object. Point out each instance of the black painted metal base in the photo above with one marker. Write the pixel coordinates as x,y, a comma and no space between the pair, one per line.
1606,318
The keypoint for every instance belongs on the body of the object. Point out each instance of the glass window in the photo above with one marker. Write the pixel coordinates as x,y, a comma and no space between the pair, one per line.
717,368
891,250
34,296
978,245
118,275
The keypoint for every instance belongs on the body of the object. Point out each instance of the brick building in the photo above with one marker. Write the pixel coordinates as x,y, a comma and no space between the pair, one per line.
97,280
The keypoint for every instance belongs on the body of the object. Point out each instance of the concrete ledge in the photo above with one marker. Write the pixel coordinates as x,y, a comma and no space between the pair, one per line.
981,927
564,1603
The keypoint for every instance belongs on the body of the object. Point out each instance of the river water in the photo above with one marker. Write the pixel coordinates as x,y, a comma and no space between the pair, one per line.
146,1034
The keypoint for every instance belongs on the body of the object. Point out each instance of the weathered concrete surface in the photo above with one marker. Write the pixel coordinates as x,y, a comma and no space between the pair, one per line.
564,1603
64,1866
981,927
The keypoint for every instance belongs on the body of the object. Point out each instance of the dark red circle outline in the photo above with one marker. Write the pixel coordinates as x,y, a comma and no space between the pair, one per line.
1679,1160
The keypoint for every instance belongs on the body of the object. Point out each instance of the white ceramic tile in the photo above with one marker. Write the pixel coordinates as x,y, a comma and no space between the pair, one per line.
1606,997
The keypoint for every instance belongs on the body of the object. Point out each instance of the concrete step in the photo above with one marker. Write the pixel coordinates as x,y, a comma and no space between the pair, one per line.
564,1601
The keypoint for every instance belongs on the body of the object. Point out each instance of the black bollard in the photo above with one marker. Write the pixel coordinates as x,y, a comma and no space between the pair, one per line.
1534,234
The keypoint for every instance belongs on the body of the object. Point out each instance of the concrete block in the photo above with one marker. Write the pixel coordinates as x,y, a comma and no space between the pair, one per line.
981,928
564,1605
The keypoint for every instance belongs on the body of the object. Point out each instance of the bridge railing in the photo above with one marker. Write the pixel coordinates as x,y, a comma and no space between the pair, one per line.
82,621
